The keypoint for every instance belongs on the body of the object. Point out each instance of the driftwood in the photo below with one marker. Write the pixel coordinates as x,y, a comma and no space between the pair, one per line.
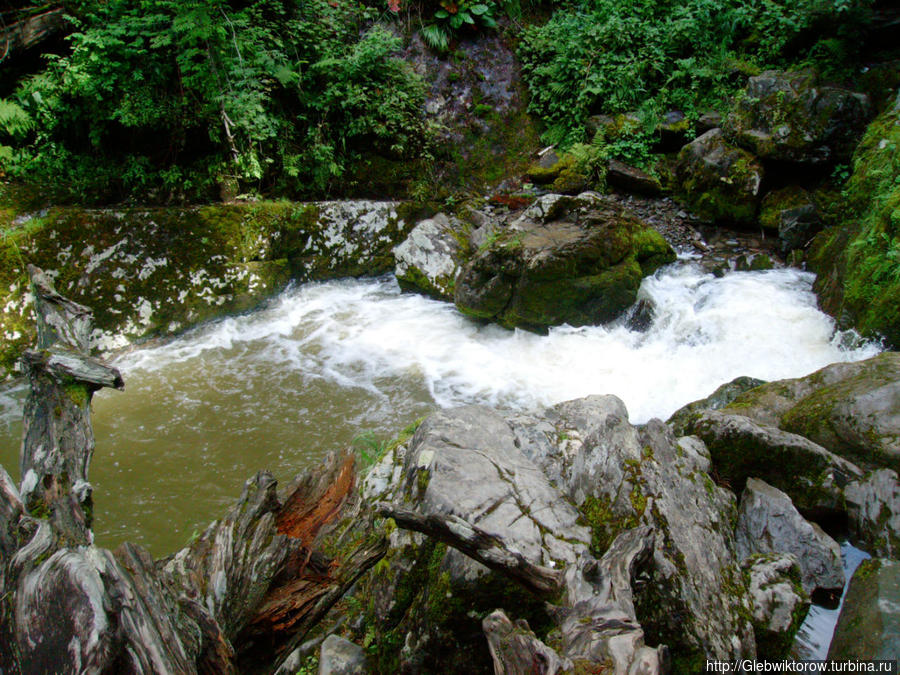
238,598
592,601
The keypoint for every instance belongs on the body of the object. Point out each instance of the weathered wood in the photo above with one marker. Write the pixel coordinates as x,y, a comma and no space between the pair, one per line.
516,650
486,548
595,611
238,598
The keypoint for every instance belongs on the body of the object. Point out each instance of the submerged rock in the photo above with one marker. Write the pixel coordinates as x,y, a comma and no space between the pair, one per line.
869,624
576,260
769,523
718,181
786,116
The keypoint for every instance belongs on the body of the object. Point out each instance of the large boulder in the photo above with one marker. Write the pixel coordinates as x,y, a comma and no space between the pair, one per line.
869,624
576,260
852,409
151,272
742,448
786,116
341,657
430,258
769,523
621,477
718,181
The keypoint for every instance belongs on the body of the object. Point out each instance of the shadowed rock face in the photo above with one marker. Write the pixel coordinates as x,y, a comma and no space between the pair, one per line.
576,260
787,117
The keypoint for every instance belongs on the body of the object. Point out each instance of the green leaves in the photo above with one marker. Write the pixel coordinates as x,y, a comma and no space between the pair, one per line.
162,98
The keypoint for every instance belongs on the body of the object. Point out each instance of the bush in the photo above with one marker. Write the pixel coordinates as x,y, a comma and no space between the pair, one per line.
174,98
610,56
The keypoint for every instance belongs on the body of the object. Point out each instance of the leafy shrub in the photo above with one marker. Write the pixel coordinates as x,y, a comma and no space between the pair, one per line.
173,98
456,15
610,56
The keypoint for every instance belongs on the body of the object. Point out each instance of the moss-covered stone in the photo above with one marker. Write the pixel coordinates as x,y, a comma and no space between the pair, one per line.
150,272
566,260
858,261
719,182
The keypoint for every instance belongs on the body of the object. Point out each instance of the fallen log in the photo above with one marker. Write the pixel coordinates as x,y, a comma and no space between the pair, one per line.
238,598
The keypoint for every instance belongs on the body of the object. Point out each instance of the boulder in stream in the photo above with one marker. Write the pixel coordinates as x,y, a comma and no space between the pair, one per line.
869,624
430,258
576,260
779,603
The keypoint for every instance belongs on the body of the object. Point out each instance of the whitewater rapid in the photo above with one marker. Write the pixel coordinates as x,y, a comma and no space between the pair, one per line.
360,333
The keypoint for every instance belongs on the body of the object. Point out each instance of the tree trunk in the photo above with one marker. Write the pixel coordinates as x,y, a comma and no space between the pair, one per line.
238,598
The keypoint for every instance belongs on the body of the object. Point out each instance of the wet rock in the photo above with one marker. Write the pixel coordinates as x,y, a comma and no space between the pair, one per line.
769,523
341,657
873,507
631,179
869,624
673,131
792,215
152,272
621,477
753,263
786,116
852,409
576,260
718,181
562,175
430,258
721,397
742,448
779,603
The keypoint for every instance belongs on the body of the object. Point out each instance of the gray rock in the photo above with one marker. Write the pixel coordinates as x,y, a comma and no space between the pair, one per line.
576,260
721,397
621,477
341,657
465,462
741,448
718,181
786,116
769,523
429,259
869,624
853,409
631,179
778,602
792,214
873,505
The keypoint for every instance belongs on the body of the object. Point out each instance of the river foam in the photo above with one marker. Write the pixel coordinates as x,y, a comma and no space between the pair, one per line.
359,333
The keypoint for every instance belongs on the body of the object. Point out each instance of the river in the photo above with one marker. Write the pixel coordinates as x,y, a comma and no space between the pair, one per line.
323,362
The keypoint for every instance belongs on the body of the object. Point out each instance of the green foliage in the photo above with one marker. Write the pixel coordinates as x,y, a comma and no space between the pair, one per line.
172,98
610,56
455,16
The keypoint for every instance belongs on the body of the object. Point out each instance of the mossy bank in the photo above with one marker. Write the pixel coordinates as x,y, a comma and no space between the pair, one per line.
153,272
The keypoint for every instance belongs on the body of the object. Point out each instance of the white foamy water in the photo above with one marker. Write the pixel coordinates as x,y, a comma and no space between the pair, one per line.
358,333
278,388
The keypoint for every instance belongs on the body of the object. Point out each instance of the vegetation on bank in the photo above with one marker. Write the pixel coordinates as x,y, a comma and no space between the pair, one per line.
160,100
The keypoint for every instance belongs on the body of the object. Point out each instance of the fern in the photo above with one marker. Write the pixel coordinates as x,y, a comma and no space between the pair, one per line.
14,121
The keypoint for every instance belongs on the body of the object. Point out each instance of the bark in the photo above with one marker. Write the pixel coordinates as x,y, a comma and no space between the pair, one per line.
238,598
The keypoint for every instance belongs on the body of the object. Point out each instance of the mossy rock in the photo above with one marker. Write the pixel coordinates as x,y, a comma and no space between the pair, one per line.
869,624
719,182
152,272
858,276
787,117
565,260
